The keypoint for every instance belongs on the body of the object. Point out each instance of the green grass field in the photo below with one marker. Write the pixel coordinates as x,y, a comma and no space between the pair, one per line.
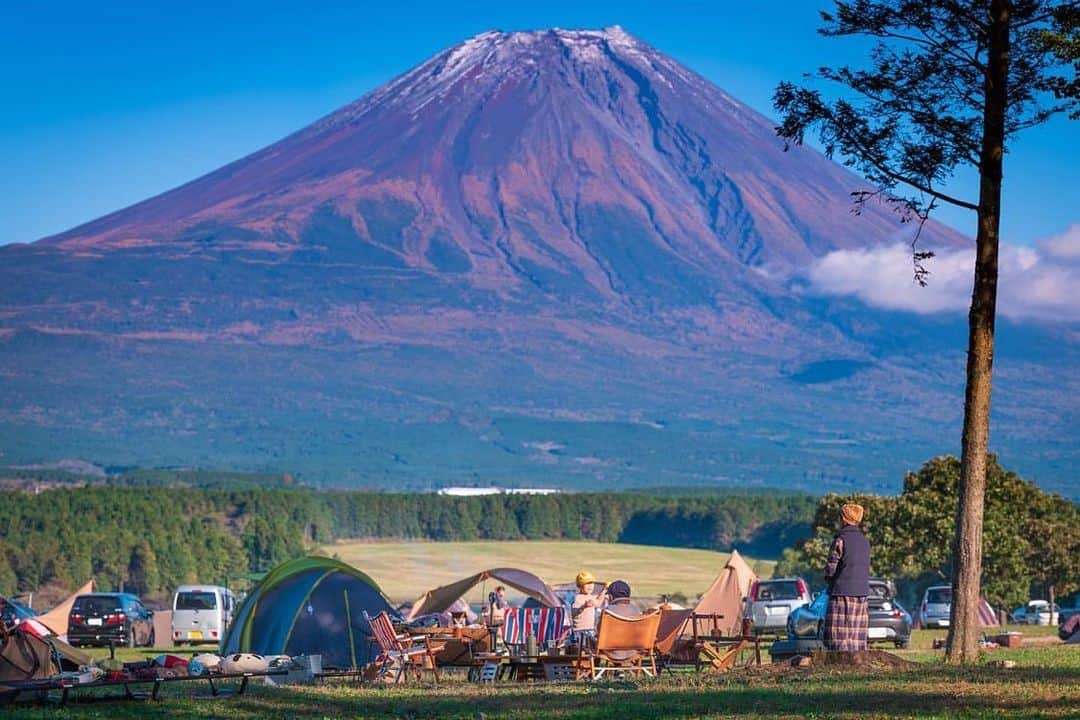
405,570
1044,684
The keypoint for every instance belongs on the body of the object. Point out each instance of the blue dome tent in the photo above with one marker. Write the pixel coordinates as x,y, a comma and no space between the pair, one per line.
309,606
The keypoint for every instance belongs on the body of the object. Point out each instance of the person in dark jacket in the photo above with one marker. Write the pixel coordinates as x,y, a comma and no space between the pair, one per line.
848,574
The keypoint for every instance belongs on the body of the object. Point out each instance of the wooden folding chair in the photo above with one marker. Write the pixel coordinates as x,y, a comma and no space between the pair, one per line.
626,645
407,652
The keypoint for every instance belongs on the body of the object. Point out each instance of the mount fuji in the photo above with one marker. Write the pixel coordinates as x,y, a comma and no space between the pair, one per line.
556,257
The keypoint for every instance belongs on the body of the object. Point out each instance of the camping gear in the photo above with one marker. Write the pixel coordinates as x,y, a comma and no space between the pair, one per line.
309,606
57,618
726,595
25,658
626,645
204,663
441,598
403,652
244,663
987,616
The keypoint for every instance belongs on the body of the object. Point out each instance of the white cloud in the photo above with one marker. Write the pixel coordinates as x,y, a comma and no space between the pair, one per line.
1065,246
1041,282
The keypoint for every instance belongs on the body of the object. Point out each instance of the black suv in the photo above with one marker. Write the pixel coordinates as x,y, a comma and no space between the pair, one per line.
105,618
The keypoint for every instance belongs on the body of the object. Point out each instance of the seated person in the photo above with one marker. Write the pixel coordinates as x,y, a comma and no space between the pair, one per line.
619,602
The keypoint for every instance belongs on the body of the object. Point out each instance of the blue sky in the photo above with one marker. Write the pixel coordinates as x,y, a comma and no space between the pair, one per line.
105,106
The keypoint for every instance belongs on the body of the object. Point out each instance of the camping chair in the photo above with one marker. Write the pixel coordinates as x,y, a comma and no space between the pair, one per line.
626,645
671,646
408,652
517,624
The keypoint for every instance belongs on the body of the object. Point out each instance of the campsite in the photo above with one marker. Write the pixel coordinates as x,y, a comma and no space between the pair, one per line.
705,660
510,360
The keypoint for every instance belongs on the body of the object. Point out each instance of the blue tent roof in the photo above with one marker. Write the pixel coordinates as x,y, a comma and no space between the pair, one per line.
307,606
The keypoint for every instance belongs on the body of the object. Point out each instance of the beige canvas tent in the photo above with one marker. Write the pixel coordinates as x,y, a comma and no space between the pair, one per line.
441,598
725,596
57,618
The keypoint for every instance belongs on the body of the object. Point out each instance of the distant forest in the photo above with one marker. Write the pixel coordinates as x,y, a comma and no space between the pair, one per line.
152,539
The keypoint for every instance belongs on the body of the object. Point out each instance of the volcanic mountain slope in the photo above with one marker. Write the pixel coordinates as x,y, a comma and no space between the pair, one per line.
529,228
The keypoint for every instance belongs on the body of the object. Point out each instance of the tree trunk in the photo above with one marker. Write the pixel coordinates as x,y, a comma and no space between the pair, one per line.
964,631
1050,593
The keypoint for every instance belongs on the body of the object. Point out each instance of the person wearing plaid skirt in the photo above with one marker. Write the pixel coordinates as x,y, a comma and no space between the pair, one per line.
848,574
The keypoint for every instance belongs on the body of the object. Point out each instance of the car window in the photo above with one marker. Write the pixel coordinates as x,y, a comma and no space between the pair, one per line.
937,596
879,591
96,605
196,601
781,590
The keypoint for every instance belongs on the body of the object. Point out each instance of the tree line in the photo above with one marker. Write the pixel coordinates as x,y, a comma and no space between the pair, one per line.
1031,539
151,539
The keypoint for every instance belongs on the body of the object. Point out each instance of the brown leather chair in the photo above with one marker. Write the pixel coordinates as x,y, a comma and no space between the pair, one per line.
626,645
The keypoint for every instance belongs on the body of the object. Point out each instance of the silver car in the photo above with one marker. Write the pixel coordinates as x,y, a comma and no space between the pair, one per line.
771,601
936,606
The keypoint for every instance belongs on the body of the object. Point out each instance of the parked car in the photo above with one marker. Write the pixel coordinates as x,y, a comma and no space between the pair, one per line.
771,601
201,613
888,622
13,612
1038,612
105,618
936,606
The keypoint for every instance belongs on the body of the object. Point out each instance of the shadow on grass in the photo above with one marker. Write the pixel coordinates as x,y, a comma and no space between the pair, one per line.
932,692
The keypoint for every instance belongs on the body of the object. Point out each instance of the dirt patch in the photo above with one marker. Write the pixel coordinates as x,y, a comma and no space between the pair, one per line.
806,664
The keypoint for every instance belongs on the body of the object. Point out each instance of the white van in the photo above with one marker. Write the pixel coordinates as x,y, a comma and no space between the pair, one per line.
201,613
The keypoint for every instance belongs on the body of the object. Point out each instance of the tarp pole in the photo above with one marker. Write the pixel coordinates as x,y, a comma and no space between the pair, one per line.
348,624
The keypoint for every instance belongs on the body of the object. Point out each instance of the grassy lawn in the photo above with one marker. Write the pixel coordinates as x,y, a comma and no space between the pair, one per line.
405,570
1044,684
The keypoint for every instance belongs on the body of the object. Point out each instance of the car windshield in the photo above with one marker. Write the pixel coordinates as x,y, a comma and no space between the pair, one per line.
938,596
781,590
196,601
96,605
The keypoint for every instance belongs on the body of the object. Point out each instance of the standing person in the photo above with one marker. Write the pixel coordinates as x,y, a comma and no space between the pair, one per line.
497,606
583,610
848,574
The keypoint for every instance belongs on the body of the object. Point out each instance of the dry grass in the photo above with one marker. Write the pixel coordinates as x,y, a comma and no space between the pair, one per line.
404,570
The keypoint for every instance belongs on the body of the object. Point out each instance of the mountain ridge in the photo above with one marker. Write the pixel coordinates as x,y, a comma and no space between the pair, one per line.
545,252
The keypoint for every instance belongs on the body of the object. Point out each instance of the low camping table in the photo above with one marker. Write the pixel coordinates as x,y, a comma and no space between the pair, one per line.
532,668
67,686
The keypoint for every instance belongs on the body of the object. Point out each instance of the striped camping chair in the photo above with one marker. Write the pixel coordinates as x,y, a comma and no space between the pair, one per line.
404,652
517,624
551,629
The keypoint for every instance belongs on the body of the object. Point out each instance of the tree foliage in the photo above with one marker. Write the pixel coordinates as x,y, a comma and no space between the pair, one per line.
1030,539
950,83
153,539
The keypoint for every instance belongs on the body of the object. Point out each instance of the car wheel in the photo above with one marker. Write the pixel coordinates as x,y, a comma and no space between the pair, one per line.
904,643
